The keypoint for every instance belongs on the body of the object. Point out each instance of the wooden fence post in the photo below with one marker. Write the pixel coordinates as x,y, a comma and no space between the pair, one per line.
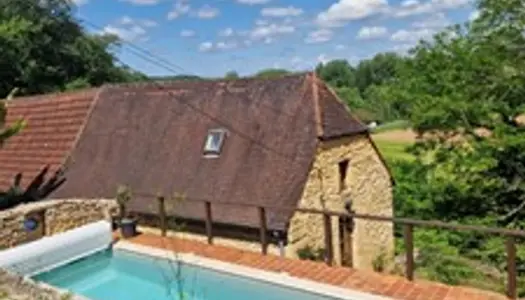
263,230
409,245
329,253
512,292
209,221
162,215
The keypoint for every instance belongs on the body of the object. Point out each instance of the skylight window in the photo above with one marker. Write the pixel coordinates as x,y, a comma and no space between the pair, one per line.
214,142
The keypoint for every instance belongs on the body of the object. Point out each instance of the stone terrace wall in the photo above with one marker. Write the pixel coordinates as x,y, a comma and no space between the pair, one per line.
58,216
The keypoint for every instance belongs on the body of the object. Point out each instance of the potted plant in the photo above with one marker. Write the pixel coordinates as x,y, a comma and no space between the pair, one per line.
128,224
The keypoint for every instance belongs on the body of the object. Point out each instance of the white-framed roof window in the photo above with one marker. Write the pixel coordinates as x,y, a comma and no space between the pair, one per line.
214,141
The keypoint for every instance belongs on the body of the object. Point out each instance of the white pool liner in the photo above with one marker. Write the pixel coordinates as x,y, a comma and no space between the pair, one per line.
281,279
54,251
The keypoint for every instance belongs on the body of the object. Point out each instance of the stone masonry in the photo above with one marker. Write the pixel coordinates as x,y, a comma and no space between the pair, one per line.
58,216
367,184
14,287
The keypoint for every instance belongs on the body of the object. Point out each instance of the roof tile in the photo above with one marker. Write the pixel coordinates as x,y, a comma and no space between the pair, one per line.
53,123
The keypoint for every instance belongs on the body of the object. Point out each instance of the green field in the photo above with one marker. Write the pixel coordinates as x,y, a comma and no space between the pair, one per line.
393,150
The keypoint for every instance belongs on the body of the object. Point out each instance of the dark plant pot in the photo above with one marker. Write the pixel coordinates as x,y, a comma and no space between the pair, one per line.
128,228
114,223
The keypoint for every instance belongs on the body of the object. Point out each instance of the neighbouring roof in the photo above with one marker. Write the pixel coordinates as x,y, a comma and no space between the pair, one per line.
150,136
53,124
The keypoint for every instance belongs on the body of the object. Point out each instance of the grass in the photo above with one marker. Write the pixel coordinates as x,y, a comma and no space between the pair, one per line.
394,125
393,150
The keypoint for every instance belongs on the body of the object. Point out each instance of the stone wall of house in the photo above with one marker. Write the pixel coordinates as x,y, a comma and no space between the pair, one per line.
14,287
367,185
54,216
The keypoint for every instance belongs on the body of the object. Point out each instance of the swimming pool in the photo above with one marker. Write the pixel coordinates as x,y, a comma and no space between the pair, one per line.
119,274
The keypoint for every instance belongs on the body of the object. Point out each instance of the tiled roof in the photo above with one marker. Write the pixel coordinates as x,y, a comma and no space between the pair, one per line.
150,136
53,124
146,136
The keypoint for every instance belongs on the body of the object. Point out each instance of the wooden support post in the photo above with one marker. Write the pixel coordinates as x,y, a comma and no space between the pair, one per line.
263,230
209,221
162,215
329,253
512,290
409,248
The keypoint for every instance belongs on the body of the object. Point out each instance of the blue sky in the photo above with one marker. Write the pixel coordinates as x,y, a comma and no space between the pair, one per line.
212,37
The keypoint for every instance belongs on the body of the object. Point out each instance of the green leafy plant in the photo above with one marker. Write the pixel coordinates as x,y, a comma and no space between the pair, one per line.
381,261
309,253
123,198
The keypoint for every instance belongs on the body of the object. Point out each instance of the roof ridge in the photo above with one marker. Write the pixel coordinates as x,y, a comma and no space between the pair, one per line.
219,80
317,107
53,95
67,157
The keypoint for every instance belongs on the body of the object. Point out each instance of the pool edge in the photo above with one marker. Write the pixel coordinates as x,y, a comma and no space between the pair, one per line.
281,279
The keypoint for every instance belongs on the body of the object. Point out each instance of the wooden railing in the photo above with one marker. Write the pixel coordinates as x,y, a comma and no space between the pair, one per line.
408,230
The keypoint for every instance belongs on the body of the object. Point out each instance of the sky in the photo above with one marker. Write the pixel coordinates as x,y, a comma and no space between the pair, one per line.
212,37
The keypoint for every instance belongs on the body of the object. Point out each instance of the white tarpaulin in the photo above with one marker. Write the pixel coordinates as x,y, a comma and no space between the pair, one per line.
53,251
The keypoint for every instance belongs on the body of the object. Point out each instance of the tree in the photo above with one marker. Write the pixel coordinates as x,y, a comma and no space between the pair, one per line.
465,91
382,68
272,73
44,49
231,75
7,131
337,73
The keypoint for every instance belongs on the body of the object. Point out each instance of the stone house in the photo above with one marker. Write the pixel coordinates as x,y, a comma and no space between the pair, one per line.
273,142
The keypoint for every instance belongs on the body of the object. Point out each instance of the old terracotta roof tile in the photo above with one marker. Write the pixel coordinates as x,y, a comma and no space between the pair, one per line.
53,123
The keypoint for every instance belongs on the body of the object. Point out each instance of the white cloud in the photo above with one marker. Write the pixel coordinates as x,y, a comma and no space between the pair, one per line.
348,10
319,36
227,32
344,11
253,2
412,36
142,2
180,8
132,33
412,7
473,15
149,23
322,58
208,12
79,2
269,31
206,47
410,3
187,33
280,12
222,45
374,32
340,47
226,45
128,21
296,60
438,20
125,20
261,22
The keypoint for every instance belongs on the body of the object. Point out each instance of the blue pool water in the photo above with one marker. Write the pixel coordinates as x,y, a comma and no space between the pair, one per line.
122,275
